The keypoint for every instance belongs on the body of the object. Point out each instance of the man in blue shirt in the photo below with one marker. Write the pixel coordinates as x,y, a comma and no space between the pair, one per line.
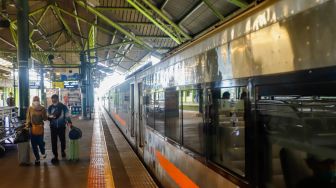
59,116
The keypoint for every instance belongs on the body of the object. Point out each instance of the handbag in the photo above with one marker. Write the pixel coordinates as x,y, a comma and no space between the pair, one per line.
75,133
21,136
37,130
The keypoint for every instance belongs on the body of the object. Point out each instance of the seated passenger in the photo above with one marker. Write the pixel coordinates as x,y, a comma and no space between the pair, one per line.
225,104
226,95
324,173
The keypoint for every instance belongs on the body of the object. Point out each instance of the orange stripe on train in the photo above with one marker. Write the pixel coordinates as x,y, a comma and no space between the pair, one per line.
119,119
181,179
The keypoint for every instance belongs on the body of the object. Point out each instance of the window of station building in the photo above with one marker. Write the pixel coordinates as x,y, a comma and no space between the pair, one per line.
149,109
193,125
173,114
227,127
159,112
299,130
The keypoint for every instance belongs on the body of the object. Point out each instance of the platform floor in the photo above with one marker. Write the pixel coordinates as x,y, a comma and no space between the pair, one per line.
106,160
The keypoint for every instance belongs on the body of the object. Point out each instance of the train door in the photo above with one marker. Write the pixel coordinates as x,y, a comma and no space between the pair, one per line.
132,110
140,123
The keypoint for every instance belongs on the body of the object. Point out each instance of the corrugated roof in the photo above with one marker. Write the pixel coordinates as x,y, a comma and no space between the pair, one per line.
192,16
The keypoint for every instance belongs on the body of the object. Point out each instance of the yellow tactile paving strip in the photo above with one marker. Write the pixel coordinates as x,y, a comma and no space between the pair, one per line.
137,173
100,173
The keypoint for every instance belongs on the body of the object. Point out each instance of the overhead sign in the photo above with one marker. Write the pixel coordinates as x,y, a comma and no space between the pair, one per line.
70,84
58,85
33,84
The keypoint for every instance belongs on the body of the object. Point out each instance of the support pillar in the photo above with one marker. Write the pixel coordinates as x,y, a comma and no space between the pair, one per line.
83,84
23,55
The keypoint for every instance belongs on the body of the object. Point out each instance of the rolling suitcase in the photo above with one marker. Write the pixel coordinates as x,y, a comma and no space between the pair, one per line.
24,153
73,150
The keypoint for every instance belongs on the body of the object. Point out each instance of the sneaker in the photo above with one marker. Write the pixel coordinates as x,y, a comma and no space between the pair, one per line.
54,160
37,162
63,154
44,156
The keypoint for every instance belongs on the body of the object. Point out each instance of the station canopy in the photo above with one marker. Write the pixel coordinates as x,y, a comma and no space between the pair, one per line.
117,34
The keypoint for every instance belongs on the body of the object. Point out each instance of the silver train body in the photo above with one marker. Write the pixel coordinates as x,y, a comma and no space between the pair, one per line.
288,45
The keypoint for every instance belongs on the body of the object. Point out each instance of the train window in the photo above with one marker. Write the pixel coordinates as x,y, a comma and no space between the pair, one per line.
227,127
193,126
299,139
173,111
149,109
159,112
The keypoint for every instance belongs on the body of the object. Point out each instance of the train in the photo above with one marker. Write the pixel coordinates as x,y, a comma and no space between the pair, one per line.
250,104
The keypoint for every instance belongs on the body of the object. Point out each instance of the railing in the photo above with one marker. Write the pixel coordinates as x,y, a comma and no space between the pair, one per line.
8,123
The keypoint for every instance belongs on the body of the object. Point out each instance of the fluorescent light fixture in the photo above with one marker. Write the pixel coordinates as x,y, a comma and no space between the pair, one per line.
103,65
154,60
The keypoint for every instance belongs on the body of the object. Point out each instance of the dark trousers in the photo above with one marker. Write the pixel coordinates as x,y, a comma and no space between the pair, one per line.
60,133
37,142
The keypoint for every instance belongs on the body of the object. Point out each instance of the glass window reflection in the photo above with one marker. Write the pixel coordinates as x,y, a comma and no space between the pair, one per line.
300,134
173,111
193,127
227,127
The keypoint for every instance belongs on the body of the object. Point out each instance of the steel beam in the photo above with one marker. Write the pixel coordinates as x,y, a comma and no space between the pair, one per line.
213,9
77,22
66,26
162,26
58,38
114,24
135,23
239,3
43,14
112,45
153,37
175,26
50,35
85,21
100,8
91,43
5,41
112,41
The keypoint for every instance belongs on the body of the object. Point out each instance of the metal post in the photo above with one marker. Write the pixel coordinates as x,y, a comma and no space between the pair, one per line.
43,94
23,55
14,91
83,84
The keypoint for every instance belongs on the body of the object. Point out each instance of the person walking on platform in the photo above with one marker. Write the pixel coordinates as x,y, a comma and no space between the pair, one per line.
10,100
36,114
59,116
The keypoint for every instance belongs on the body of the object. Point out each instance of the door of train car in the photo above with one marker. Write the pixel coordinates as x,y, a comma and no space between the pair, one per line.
132,109
140,128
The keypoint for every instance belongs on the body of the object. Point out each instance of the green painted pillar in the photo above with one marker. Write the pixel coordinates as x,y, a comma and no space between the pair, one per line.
23,55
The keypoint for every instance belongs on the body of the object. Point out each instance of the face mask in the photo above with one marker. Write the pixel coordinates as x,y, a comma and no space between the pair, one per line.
36,103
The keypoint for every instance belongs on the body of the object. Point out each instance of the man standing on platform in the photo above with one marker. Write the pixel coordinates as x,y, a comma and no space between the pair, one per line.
59,116
10,100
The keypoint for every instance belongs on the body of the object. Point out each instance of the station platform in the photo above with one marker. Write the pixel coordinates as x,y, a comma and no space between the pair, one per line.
106,160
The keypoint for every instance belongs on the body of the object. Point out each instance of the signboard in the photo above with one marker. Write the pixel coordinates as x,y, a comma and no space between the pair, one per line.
70,84
58,85
33,84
